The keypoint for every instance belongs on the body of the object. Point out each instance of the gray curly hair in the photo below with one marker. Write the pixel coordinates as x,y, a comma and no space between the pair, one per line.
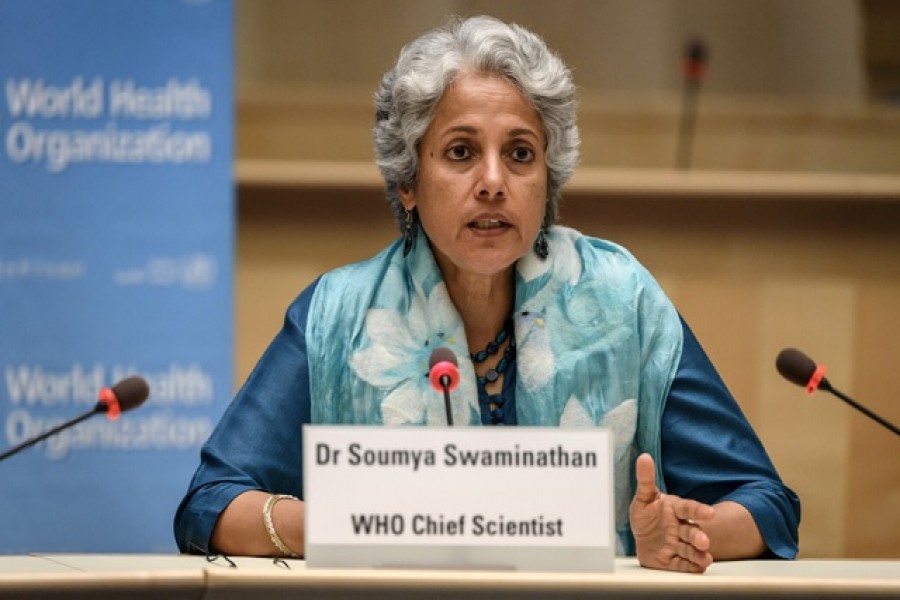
406,101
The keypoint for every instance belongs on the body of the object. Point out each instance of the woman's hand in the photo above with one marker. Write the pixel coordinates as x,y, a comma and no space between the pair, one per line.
668,529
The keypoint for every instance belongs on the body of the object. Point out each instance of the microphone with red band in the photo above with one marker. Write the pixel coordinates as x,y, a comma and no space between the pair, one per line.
443,372
694,64
797,367
696,56
123,396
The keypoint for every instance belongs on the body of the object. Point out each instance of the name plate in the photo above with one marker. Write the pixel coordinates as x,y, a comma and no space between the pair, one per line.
509,498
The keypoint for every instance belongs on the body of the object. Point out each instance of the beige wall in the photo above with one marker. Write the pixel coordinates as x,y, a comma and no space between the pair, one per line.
751,275
760,47
754,263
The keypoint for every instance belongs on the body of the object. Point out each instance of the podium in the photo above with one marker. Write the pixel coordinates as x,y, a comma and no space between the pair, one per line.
175,577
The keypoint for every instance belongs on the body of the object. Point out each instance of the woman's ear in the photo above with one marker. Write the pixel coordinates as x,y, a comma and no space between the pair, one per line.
407,197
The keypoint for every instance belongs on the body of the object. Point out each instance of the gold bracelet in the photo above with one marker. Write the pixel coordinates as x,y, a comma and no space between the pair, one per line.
270,526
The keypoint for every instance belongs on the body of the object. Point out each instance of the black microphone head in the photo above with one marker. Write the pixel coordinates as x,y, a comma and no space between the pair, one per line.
795,366
440,355
696,51
131,392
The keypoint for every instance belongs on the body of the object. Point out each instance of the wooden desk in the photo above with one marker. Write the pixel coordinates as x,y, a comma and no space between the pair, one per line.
159,576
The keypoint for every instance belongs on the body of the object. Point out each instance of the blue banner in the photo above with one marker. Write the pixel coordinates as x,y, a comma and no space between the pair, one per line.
116,251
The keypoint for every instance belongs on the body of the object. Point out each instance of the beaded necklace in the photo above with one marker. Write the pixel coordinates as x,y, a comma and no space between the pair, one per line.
492,375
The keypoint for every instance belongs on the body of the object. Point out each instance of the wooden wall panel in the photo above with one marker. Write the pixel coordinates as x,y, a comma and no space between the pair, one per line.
750,274
873,526
287,238
809,435
751,270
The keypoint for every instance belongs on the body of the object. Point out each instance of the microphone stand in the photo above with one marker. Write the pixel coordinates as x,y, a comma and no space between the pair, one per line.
686,131
101,407
694,66
827,386
445,383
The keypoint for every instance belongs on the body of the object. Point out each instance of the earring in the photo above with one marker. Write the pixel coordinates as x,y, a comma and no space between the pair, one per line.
409,232
541,248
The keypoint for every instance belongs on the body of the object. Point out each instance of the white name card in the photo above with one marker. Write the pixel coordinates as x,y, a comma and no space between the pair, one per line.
522,498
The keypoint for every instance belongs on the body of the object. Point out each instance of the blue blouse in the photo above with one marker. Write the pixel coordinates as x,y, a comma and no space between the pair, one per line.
710,453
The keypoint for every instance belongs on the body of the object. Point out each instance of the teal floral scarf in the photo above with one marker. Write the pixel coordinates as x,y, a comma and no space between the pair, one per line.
597,342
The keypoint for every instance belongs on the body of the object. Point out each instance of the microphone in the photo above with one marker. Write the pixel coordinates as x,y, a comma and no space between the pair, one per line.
443,371
694,68
695,60
797,367
123,396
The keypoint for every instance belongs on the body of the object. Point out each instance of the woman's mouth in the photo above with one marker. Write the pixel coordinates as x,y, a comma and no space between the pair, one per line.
488,224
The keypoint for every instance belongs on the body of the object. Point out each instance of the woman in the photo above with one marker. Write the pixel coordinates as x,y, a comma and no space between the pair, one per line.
475,135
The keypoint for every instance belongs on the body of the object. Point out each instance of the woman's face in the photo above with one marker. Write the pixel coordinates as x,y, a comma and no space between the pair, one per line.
482,184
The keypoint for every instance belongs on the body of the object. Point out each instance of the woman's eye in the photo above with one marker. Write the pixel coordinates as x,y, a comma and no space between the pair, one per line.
458,152
522,154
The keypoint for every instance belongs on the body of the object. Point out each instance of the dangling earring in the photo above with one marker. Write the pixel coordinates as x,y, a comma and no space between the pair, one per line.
409,232
541,248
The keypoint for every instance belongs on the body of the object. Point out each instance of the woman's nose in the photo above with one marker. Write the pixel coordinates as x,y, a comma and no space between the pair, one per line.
492,184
